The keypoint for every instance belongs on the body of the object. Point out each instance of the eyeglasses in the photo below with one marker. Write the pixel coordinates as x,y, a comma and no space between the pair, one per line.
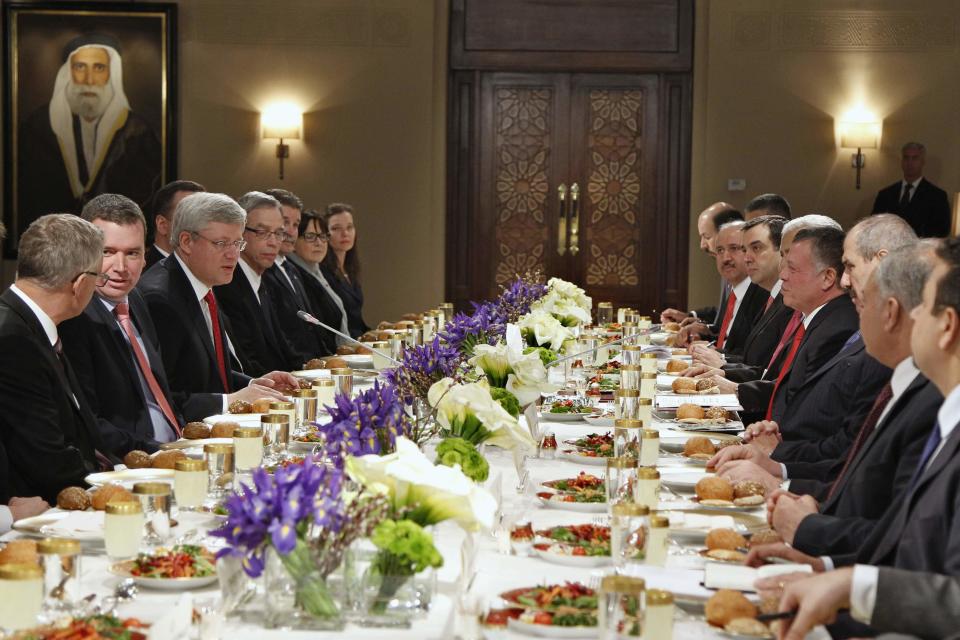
263,234
310,236
101,278
223,245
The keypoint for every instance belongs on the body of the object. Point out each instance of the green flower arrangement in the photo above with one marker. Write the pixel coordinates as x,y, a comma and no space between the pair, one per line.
546,355
507,400
405,550
457,451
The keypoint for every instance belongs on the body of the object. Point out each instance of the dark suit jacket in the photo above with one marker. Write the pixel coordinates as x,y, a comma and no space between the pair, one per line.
352,297
109,375
153,256
253,327
760,343
825,336
50,441
824,421
924,605
750,309
324,306
928,211
189,358
876,476
303,338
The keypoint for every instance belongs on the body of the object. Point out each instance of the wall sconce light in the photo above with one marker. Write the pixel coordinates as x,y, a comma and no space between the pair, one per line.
859,136
281,120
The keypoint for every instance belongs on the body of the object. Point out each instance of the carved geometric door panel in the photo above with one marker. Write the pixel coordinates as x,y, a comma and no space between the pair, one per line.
568,175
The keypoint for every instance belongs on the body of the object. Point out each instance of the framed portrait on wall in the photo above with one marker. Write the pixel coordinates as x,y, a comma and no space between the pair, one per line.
89,105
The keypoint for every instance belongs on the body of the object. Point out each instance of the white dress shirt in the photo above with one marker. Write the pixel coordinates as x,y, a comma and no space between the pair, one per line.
775,291
913,189
161,251
49,326
807,319
863,588
253,277
281,259
903,376
739,290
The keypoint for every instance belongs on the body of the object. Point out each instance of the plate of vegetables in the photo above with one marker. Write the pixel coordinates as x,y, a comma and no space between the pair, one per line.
95,627
565,410
554,611
552,597
597,444
585,493
181,567
579,545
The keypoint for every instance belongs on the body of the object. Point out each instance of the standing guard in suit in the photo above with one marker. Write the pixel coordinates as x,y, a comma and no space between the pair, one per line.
50,435
921,203
197,357
245,300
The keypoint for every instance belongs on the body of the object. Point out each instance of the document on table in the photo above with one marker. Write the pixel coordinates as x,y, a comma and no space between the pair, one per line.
725,400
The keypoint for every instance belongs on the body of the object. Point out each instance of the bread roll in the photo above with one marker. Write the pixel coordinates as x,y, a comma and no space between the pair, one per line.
137,459
714,488
677,366
699,445
315,363
746,488
726,605
345,350
671,327
767,536
168,459
689,411
705,384
684,385
21,551
717,413
73,499
196,431
224,429
110,493
725,539
749,627
261,405
240,406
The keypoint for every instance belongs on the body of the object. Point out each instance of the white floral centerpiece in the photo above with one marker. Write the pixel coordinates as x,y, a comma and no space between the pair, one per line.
468,411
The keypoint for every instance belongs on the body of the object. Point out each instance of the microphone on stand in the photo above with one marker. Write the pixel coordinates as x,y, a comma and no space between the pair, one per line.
306,317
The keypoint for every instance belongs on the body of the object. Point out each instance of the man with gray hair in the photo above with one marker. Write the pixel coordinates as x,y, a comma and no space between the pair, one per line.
46,427
246,300
207,238
921,203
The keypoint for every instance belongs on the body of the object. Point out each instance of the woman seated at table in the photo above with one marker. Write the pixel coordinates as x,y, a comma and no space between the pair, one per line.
309,251
341,266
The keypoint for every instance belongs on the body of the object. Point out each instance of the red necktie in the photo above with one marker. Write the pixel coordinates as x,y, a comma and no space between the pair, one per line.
217,339
866,429
795,321
769,302
122,310
727,319
794,346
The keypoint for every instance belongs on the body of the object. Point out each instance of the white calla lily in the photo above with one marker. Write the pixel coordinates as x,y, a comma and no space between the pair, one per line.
528,378
455,403
547,330
494,361
434,492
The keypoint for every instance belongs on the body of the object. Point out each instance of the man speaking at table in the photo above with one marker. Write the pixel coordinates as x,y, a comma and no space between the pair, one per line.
47,429
207,237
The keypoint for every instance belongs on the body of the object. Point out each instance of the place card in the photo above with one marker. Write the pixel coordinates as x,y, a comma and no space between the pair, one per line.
722,575
533,421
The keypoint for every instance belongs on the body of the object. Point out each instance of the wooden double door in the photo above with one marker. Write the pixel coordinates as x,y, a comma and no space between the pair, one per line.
578,175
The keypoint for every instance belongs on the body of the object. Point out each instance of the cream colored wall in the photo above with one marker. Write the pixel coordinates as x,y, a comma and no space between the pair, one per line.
365,74
771,77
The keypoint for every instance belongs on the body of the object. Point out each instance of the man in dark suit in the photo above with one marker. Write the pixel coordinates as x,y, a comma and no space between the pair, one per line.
761,242
921,203
47,429
708,226
163,204
113,344
287,289
921,532
197,356
743,304
245,300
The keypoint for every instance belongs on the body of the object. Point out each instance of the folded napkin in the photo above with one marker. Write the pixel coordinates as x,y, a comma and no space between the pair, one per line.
721,575
76,522
685,520
725,400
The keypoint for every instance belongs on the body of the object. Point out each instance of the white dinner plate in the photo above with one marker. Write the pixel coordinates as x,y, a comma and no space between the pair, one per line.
573,456
581,507
598,420
562,417
682,480
550,631
359,360
43,526
243,419
186,443
128,477
571,560
673,442
122,569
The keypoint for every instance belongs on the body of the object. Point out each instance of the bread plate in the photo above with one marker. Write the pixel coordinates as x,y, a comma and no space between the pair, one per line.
570,560
579,458
128,477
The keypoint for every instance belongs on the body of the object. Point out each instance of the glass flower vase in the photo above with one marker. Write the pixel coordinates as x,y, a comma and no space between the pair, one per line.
298,596
393,598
